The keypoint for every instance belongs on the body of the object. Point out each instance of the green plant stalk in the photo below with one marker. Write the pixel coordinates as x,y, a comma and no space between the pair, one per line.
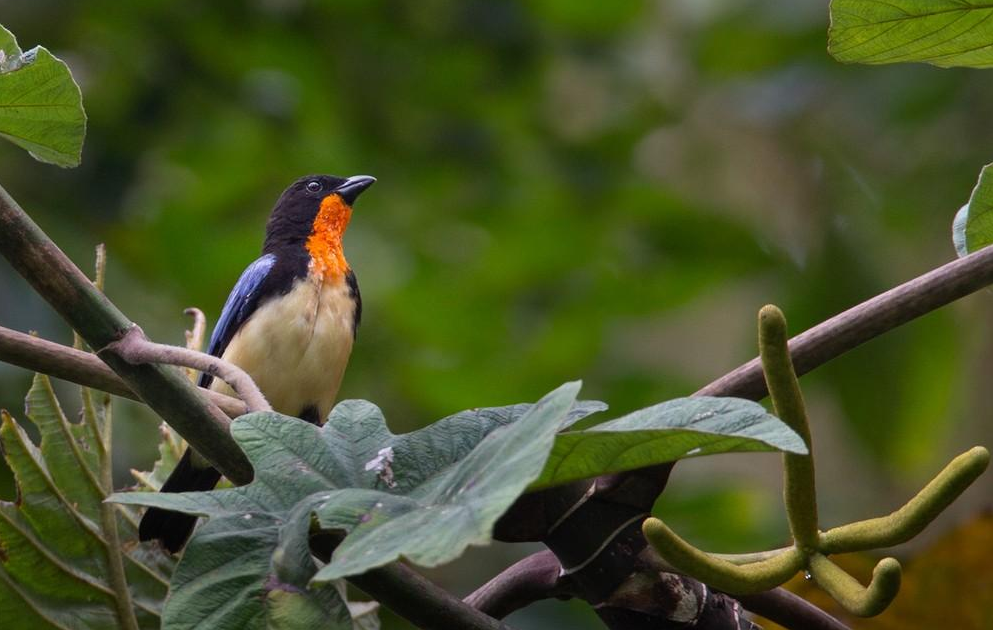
846,590
799,488
99,322
102,430
915,515
108,519
716,572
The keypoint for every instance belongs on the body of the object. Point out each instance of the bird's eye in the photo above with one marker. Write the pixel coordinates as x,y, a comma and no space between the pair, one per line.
313,186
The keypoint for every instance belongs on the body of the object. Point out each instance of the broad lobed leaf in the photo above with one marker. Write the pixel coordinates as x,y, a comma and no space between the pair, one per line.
439,490
945,33
56,551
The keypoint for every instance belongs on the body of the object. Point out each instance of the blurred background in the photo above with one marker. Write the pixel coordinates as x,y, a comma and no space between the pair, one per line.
604,191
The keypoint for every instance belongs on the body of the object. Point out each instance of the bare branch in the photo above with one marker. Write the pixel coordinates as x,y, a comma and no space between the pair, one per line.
135,348
868,320
83,368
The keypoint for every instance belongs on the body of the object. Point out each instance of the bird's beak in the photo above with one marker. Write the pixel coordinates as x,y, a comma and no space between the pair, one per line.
353,187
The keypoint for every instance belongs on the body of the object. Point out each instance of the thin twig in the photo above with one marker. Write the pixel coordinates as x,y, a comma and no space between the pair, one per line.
135,348
194,336
83,368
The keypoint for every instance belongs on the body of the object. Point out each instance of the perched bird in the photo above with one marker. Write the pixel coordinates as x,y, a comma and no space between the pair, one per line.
289,323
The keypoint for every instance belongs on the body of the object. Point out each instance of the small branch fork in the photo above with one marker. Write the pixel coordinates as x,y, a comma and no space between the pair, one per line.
135,348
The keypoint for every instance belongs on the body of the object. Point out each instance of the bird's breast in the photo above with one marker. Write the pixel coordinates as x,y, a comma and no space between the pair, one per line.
296,346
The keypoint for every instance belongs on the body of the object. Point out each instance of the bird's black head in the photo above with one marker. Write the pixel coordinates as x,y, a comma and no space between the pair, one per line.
313,203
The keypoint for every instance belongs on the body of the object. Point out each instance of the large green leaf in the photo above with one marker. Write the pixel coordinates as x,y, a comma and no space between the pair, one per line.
676,429
256,541
448,512
59,542
425,495
973,226
941,32
41,107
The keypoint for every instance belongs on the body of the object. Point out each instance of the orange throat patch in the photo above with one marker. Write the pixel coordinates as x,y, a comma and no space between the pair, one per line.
324,244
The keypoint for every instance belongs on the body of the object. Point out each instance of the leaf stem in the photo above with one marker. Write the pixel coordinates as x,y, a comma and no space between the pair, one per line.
108,520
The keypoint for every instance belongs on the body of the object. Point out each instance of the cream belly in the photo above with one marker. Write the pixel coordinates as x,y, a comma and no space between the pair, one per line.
296,347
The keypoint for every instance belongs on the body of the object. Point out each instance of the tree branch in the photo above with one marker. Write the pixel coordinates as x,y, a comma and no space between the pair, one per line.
99,322
864,322
83,368
422,602
808,350
790,610
135,348
532,579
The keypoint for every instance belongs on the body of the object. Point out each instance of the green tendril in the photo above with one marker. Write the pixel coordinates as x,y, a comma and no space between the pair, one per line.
846,590
741,574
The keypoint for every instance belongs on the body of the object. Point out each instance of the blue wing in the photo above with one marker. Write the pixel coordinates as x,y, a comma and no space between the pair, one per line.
241,303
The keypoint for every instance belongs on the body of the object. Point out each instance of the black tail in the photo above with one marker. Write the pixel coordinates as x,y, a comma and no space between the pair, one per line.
173,528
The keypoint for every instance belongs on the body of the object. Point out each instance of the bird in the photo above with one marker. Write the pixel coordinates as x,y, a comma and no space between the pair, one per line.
289,322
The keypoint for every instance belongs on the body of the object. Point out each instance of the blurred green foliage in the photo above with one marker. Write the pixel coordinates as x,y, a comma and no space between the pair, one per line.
605,191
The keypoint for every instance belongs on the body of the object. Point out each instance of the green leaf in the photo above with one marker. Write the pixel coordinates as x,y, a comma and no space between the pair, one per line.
256,537
60,543
171,447
676,429
945,33
972,228
439,519
41,107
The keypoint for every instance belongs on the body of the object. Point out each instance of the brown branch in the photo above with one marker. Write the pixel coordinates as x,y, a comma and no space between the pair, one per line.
789,610
83,368
864,322
532,579
422,602
88,311
135,348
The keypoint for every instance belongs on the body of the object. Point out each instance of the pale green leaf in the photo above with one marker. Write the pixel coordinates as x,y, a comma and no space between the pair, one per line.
972,228
941,32
41,107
